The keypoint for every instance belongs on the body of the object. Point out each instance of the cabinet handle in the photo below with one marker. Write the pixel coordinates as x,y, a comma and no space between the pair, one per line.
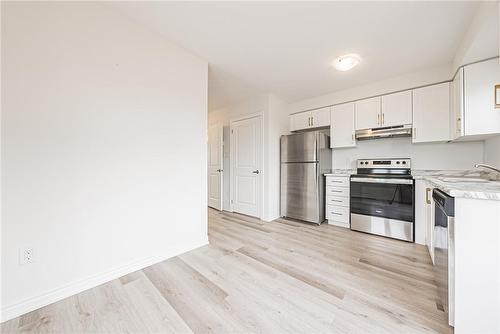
427,200
382,118
352,138
414,133
459,125
312,121
378,119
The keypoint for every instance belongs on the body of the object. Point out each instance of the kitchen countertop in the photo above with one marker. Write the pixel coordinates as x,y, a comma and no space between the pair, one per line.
474,184
341,172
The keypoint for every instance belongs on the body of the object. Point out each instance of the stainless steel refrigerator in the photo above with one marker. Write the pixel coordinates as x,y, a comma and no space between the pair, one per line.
305,157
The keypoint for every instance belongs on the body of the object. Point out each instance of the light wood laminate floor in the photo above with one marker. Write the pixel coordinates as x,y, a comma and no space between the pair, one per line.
257,277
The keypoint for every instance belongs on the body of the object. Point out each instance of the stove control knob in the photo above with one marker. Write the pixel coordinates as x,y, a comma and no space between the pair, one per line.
404,162
398,162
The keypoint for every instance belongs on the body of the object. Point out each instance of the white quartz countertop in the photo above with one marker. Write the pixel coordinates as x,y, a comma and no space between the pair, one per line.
473,184
466,184
341,172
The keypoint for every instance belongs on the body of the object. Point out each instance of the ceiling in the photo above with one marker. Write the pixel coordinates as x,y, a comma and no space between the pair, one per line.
286,48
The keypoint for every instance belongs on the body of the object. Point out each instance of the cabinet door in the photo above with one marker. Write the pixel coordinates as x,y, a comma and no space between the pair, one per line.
457,105
300,121
396,109
342,126
481,117
431,113
320,117
423,200
368,113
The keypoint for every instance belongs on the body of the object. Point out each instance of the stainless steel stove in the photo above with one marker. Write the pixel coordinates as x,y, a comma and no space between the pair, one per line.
382,198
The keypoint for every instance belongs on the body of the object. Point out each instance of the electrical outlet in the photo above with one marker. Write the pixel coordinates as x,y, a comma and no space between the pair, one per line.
25,255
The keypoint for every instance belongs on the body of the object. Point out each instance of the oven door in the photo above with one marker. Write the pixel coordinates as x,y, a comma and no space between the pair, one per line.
383,206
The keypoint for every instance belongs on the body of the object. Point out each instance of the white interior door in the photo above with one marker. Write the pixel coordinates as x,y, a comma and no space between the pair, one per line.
246,142
215,163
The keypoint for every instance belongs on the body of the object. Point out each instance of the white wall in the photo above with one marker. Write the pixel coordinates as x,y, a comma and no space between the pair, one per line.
276,123
407,81
104,128
492,151
444,156
481,39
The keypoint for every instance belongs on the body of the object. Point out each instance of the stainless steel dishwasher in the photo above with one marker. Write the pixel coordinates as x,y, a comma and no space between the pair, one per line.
444,251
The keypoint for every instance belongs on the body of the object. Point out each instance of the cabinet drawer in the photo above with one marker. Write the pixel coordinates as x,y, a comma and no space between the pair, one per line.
337,213
337,191
337,200
339,181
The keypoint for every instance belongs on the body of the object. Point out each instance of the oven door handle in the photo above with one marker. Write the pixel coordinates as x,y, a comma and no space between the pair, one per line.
380,180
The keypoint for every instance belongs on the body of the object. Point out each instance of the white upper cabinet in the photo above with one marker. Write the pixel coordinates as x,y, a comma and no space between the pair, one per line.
431,113
300,121
457,105
481,117
396,109
317,118
342,126
320,117
368,113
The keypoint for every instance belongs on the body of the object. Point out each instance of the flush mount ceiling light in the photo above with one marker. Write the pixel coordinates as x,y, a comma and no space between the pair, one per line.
346,62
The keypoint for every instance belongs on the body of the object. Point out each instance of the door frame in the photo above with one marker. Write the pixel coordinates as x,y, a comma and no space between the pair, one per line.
221,158
231,159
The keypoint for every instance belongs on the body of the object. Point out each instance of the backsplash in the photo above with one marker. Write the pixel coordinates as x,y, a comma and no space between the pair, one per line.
442,156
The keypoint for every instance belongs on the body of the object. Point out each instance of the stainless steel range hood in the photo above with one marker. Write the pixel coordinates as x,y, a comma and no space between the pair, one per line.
387,132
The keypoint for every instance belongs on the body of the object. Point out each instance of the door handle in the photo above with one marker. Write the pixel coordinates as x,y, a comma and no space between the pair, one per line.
256,171
219,170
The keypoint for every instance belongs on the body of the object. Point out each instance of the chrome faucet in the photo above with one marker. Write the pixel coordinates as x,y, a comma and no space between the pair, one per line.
487,166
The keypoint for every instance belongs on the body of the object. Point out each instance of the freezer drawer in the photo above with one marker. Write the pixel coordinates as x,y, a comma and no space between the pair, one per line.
300,192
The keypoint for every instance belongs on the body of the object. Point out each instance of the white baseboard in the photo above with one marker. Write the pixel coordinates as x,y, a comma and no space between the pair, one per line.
14,310
270,218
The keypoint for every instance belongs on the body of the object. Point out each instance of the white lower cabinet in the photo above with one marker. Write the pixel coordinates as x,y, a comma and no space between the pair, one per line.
424,214
337,200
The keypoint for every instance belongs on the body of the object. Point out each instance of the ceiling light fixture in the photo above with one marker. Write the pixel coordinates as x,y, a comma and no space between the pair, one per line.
346,62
